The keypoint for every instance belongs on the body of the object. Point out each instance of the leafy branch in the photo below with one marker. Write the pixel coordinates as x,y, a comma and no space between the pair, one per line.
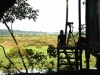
9,59
20,10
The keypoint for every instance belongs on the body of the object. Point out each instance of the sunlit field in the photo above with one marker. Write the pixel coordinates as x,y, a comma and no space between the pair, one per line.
38,43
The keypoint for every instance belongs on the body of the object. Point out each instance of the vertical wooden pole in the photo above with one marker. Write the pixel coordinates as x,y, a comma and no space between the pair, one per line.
87,24
87,34
87,56
87,59
79,11
58,61
76,58
80,59
98,66
66,17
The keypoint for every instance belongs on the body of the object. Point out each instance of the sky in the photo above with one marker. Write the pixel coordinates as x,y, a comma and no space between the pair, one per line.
52,16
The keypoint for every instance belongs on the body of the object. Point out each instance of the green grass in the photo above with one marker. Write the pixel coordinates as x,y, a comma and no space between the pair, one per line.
42,49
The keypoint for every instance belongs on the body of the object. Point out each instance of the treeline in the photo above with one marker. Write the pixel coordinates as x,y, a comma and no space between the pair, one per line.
19,32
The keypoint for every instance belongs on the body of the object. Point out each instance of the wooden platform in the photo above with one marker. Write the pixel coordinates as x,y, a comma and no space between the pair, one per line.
64,72
79,72
66,50
95,51
68,47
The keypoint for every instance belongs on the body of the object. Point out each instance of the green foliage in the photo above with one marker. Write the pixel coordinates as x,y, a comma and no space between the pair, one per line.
38,45
1,64
52,52
41,42
8,68
20,10
49,70
13,52
31,41
35,58
52,63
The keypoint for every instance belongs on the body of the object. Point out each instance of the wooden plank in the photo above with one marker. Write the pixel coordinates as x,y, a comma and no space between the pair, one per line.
91,47
89,50
67,47
68,64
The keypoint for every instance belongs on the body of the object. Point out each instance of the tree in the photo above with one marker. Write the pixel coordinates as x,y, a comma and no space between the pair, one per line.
20,10
5,5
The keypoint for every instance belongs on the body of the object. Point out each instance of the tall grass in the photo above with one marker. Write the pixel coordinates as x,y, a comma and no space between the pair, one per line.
39,43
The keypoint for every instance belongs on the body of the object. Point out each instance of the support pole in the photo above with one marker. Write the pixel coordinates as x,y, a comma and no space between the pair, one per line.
87,56
98,66
81,59
87,35
66,17
79,11
87,24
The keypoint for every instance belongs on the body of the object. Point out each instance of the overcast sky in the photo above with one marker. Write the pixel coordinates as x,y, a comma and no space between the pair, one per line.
52,16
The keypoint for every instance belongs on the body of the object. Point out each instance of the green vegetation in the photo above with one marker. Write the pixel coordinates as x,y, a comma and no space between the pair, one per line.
36,52
21,10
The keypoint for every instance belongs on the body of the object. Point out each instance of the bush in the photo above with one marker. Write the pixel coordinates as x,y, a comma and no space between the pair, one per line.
13,52
38,45
52,51
35,58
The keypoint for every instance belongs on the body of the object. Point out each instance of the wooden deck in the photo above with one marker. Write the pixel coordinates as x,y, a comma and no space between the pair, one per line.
76,51
68,47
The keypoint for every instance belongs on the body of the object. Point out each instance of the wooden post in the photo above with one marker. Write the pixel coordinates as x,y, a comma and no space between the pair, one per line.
79,11
87,59
76,59
58,61
80,59
98,66
66,17
87,56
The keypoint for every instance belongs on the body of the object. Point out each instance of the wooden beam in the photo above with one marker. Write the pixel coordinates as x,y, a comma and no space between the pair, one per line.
79,12
66,17
68,47
87,22
90,49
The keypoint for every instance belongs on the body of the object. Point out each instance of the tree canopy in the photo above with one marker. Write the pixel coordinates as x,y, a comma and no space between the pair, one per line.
20,10
5,5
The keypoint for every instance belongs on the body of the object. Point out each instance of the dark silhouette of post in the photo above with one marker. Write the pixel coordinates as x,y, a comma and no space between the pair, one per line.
66,17
79,11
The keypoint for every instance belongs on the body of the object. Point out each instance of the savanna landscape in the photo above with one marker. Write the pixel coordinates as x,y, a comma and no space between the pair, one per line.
26,50
34,50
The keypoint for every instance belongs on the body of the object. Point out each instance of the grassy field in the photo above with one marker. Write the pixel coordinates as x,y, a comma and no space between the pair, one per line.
31,42
42,49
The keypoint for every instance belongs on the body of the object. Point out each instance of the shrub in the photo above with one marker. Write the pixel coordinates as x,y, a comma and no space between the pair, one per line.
13,52
52,51
35,58
38,45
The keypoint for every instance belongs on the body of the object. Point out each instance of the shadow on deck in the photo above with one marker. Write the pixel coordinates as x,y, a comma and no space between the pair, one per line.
80,72
64,72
